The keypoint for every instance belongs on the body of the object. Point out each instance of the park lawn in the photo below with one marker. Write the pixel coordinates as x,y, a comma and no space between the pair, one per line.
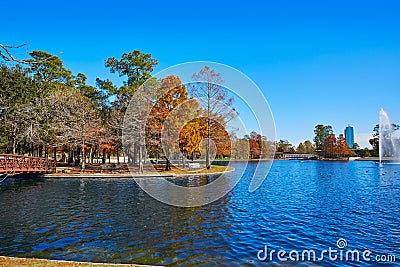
176,171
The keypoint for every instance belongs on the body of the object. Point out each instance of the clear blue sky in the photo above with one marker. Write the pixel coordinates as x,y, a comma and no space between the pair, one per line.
330,62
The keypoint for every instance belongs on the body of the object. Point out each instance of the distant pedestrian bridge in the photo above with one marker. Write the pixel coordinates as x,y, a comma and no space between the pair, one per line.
19,164
298,156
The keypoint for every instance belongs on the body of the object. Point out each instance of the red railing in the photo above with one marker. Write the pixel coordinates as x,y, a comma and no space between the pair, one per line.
18,164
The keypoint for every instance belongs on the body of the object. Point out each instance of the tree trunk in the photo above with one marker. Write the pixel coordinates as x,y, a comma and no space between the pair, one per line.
183,161
167,163
71,156
83,157
78,157
208,154
117,155
14,147
93,153
89,158
208,131
103,160
32,149
40,151
140,159
134,153
14,141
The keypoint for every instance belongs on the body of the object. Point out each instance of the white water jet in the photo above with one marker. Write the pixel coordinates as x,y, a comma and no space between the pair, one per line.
389,139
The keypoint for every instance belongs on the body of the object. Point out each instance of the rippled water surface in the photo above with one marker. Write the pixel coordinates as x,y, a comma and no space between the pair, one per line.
301,205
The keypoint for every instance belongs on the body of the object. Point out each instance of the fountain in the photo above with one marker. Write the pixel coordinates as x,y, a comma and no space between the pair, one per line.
389,139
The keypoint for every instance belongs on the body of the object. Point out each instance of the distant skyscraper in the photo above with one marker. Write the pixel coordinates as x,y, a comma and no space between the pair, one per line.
349,135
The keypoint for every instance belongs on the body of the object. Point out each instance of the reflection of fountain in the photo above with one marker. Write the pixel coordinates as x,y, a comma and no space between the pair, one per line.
389,139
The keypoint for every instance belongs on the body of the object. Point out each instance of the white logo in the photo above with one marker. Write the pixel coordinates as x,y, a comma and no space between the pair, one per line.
341,243
146,100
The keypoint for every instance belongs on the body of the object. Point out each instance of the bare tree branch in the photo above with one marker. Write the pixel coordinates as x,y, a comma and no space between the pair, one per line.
6,55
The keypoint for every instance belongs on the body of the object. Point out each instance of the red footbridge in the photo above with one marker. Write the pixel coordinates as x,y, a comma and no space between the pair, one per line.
19,164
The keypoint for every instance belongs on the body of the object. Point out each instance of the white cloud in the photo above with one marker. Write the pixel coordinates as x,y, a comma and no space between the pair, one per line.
362,139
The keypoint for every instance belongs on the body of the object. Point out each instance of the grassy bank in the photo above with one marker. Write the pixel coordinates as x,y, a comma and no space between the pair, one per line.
27,262
149,170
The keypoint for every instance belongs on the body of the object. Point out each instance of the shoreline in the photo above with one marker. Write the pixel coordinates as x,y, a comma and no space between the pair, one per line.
118,174
125,175
6,261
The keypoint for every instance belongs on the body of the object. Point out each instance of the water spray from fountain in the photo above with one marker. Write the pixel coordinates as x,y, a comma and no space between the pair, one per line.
389,139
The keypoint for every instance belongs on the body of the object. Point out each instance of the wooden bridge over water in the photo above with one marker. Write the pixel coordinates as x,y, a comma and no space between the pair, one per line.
19,164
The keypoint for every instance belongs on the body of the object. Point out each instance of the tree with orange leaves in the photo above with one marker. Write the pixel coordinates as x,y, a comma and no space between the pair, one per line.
342,147
195,131
156,123
255,145
190,137
336,147
207,88
330,146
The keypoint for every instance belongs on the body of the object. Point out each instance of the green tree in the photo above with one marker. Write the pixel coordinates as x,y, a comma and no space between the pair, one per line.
49,71
48,68
284,146
301,148
309,147
18,92
374,141
356,146
321,132
365,153
96,95
137,67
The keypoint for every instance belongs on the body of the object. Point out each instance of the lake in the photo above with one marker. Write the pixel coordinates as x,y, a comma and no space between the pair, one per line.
302,205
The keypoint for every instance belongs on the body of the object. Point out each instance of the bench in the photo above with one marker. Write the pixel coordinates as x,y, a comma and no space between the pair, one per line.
194,165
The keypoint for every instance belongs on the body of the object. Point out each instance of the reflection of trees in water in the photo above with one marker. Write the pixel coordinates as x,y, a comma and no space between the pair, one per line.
108,221
159,233
174,231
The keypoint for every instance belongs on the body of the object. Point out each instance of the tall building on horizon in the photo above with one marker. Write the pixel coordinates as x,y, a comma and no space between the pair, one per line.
349,135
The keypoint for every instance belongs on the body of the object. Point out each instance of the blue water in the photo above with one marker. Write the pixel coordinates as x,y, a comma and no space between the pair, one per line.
301,205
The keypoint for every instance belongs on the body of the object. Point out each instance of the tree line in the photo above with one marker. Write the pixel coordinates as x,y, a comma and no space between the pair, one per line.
48,111
325,144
